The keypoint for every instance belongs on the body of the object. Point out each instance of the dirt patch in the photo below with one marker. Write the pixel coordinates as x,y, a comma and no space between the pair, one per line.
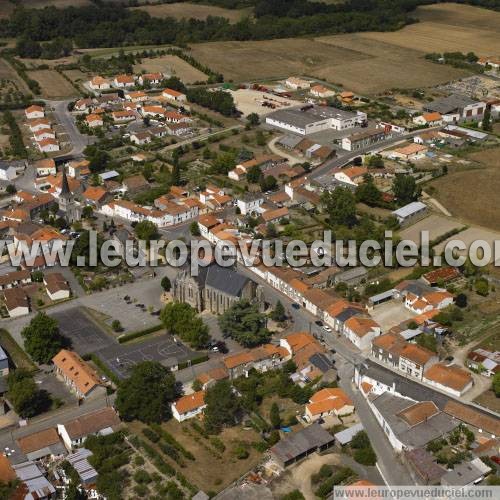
173,65
437,225
182,10
53,85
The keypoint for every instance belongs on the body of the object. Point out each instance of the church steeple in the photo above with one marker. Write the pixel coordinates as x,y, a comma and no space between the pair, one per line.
65,191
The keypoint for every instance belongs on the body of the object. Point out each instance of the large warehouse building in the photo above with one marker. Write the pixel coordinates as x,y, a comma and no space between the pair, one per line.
310,119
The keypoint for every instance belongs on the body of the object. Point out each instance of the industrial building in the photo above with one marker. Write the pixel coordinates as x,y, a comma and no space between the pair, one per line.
310,119
366,138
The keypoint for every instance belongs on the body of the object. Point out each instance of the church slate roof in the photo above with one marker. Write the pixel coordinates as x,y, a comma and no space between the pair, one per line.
226,280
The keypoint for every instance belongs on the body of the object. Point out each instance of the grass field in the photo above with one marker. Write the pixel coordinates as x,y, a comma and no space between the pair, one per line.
174,65
53,85
364,62
40,4
190,10
459,191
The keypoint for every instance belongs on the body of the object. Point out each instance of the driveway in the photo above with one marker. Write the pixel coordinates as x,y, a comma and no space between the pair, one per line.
292,160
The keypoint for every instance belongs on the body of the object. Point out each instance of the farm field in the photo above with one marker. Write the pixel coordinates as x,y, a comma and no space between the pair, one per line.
364,62
272,58
8,73
172,64
457,191
53,85
75,75
61,4
447,28
191,10
212,470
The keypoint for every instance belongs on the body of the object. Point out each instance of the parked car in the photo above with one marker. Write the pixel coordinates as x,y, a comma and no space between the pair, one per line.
327,329
295,305
319,323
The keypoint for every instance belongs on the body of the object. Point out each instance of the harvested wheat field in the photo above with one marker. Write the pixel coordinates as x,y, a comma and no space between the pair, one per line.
192,10
53,85
459,191
272,58
174,65
447,28
364,62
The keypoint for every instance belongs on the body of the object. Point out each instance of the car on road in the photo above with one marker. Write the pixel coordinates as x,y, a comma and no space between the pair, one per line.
295,305
318,322
327,329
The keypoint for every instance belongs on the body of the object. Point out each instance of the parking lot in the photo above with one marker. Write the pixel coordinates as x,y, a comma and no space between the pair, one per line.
85,335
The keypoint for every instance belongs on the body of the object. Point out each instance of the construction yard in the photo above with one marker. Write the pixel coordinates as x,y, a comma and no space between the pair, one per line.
253,101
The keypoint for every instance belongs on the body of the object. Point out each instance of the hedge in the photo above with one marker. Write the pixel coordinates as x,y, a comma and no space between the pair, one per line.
127,337
195,361
105,369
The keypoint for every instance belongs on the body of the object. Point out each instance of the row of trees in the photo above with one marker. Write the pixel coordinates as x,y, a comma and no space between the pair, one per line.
217,100
107,25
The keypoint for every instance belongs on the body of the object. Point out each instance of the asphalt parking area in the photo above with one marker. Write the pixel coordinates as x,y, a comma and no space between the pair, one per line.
85,335
122,358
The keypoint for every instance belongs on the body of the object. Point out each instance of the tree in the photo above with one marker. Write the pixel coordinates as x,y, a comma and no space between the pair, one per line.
24,394
365,456
428,341
368,193
11,189
181,319
360,440
253,119
87,212
254,174
146,395
487,120
405,189
166,284
496,384
222,407
245,324
146,230
42,340
341,206
482,286
268,183
116,325
279,313
37,276
293,495
28,48
176,168
461,300
274,416
194,229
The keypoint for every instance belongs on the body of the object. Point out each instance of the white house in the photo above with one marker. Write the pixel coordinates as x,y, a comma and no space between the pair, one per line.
48,145
44,133
151,78
188,406
94,121
361,331
326,402
57,287
321,91
39,124
100,422
124,81
174,95
297,83
16,302
451,379
7,171
250,204
99,83
431,119
34,112
351,175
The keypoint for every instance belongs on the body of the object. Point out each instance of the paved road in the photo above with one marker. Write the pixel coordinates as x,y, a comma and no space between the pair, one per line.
66,119
340,161
393,471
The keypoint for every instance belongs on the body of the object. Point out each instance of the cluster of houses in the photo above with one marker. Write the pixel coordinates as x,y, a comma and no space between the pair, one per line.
18,287
28,464
313,363
41,128
412,418
127,105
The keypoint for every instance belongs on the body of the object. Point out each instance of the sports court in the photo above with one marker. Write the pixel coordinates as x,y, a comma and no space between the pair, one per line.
122,358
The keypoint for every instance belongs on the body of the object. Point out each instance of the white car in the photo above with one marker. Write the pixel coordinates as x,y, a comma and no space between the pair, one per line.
327,329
